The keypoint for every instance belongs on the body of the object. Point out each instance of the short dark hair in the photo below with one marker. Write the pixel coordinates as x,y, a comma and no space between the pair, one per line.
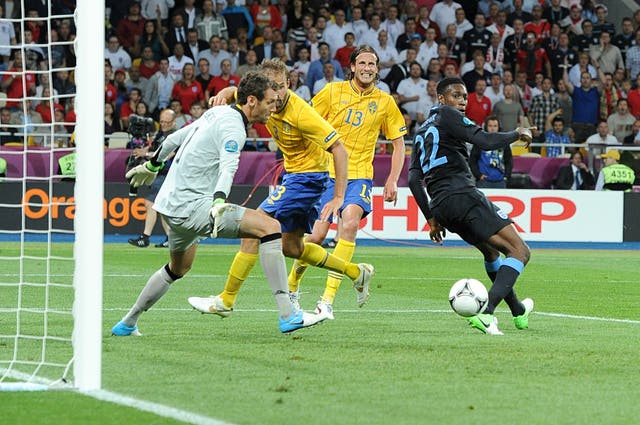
445,83
254,83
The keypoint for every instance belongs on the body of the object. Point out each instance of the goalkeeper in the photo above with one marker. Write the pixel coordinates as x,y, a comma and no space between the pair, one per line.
202,172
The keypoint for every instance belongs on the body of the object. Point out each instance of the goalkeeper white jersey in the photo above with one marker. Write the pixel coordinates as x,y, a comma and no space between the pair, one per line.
206,161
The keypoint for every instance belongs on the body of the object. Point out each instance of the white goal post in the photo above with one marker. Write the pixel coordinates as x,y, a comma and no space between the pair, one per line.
51,295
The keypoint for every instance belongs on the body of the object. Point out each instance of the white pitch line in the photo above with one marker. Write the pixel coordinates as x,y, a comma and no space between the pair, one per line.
155,408
43,384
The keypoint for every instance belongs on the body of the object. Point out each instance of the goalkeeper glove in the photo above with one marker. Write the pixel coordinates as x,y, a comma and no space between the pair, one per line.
143,174
218,208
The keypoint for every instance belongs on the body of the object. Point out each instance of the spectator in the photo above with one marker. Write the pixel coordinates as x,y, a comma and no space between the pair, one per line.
404,39
265,14
566,104
195,111
209,22
343,54
626,39
17,83
177,32
575,176
264,50
29,122
583,65
477,38
329,76
479,72
189,12
295,12
495,89
495,55
129,107
586,98
298,87
601,25
236,56
370,36
316,67
508,110
615,176
44,83
491,169
7,37
601,139
194,45
135,80
605,56
609,95
538,25
238,17
555,134
203,78
572,24
392,23
426,102
478,105
153,9
456,47
214,54
533,58
111,122
542,106
634,137
187,90
555,13
34,56
621,122
178,60
442,13
400,71
148,65
7,130
131,28
557,52
462,23
181,118
387,54
251,65
117,56
634,99
513,44
587,39
424,23
160,87
411,90
225,79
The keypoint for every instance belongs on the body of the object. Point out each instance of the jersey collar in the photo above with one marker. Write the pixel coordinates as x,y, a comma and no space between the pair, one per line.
244,117
360,92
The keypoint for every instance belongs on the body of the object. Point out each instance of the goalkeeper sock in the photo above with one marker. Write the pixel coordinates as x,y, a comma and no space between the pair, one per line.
157,285
317,256
238,273
275,269
344,249
297,272
505,279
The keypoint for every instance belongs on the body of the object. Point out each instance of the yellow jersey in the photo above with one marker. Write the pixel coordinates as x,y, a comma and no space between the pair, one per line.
359,117
302,136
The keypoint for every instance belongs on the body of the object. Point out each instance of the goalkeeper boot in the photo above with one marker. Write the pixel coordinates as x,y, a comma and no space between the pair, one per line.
522,321
120,329
210,305
362,283
141,241
485,323
324,309
299,319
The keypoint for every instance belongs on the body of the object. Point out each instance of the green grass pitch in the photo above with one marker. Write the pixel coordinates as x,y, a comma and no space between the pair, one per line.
405,358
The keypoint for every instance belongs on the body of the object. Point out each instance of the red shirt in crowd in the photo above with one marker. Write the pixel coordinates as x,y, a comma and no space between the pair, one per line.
45,111
187,94
16,89
218,83
478,109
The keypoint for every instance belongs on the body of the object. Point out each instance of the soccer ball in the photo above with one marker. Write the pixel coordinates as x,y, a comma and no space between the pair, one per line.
468,297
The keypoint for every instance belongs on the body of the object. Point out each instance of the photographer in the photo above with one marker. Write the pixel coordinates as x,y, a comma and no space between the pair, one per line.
141,154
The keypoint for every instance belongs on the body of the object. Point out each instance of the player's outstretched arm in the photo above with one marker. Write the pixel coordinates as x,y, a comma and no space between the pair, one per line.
223,97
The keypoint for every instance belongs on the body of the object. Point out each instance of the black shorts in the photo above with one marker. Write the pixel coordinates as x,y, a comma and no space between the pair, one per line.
471,215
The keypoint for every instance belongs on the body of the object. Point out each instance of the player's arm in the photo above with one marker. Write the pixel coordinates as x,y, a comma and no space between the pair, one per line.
340,163
390,191
462,128
233,142
416,185
225,96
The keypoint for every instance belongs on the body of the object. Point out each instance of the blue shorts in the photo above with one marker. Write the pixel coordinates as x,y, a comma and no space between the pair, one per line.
358,193
295,203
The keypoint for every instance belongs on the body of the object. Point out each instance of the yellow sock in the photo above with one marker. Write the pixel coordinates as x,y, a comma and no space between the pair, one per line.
344,249
317,256
295,276
238,273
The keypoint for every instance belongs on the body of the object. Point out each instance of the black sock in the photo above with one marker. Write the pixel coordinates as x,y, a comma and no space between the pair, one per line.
502,286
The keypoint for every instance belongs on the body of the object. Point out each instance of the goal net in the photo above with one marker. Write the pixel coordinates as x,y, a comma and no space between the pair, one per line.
52,194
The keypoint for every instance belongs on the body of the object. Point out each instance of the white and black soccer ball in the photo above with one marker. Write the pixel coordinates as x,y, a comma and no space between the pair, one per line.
468,297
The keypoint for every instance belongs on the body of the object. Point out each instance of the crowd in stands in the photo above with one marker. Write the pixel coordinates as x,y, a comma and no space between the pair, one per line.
558,65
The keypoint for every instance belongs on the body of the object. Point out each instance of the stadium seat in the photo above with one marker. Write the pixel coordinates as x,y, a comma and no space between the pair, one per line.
118,140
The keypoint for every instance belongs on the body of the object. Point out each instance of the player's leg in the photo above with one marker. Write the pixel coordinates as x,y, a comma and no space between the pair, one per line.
317,235
157,285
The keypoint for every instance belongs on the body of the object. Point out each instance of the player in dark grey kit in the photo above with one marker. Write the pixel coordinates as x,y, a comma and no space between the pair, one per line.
440,162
